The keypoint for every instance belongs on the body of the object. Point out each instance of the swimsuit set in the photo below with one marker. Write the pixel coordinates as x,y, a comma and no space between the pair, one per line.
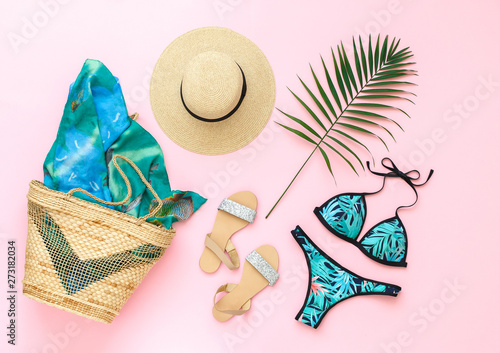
344,216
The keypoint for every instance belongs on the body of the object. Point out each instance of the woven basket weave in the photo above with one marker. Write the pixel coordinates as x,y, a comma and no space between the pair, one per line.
85,258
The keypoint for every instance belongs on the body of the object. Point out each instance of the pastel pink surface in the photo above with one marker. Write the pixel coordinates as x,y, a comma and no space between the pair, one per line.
449,288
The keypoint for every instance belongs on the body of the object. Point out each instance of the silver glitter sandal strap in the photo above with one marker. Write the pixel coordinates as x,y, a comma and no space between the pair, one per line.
238,210
261,265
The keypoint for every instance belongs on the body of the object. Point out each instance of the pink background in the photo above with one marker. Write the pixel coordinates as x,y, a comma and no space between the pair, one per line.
454,129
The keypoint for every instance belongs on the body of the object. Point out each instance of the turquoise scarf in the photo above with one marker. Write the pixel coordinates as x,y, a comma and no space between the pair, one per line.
95,126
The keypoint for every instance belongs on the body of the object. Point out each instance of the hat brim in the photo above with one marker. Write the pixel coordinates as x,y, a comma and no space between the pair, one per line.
212,138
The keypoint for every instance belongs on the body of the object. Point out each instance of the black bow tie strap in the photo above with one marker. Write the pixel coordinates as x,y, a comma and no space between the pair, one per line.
394,172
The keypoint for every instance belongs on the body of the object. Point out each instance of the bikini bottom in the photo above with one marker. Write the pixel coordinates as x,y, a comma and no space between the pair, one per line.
330,283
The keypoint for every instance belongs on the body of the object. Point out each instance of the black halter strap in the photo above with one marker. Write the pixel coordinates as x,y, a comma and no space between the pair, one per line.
243,93
395,172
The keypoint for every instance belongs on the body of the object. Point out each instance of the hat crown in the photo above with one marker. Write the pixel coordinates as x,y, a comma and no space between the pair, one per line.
212,85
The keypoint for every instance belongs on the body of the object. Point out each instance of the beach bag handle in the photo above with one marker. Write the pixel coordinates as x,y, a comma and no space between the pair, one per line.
129,189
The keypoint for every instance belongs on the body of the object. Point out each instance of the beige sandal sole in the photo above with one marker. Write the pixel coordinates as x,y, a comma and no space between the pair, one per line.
237,301
224,227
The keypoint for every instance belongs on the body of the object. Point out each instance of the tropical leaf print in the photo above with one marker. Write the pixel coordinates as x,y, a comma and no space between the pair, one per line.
330,283
317,288
176,206
386,241
345,214
133,204
313,318
369,286
76,103
311,250
343,284
153,167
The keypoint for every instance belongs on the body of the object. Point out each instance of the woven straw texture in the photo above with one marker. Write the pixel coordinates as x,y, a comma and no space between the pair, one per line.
179,62
212,85
85,258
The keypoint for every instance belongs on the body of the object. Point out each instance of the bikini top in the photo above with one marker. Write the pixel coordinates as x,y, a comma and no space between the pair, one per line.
386,242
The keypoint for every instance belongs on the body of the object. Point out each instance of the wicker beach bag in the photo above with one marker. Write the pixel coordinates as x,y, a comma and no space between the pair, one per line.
86,258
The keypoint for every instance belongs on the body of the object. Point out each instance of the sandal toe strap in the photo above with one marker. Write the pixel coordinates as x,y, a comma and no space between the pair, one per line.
264,268
238,210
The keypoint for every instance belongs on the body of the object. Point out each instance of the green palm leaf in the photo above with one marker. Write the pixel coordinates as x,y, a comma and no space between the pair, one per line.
344,73
340,82
298,133
363,59
370,85
309,110
377,53
302,123
324,96
370,55
327,160
331,86
357,62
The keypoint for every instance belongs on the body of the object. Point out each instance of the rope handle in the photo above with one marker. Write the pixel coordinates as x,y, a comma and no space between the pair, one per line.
129,189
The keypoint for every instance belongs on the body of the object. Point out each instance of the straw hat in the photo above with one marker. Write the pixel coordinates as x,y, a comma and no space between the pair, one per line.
212,91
